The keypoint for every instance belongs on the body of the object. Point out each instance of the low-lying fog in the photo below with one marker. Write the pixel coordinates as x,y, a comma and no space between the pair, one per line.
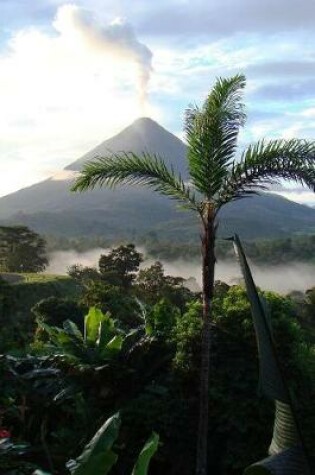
281,278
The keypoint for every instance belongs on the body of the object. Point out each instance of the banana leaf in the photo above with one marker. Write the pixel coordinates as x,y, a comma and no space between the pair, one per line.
285,434
111,348
63,338
92,323
97,457
271,379
106,331
71,328
149,449
287,450
115,344
288,462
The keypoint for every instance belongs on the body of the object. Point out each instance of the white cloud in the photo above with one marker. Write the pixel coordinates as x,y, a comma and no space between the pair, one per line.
62,93
63,175
303,197
77,27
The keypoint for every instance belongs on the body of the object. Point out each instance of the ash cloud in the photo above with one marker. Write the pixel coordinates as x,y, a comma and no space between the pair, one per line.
117,39
281,278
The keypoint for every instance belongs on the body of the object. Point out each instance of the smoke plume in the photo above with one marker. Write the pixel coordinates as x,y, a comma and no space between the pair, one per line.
117,39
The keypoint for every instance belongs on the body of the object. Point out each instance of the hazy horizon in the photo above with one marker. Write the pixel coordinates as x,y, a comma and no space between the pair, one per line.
280,278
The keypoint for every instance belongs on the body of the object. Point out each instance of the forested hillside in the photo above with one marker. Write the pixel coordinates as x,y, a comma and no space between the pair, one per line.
145,365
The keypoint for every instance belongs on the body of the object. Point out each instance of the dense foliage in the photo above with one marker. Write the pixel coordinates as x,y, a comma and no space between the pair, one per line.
217,177
19,294
140,356
21,250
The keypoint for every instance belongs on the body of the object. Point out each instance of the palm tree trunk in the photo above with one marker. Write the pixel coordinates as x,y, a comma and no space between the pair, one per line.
208,263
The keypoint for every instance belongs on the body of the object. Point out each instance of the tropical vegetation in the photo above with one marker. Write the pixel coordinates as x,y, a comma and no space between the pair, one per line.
216,177
21,250
137,353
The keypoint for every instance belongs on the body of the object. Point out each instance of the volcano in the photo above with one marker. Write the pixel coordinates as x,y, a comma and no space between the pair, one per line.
130,212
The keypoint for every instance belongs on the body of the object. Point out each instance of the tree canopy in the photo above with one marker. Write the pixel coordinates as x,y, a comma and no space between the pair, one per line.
21,250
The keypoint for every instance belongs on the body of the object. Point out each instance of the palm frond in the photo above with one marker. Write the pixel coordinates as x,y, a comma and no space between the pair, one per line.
287,432
131,169
212,133
267,162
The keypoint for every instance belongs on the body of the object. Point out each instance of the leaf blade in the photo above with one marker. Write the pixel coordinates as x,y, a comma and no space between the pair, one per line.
142,465
97,456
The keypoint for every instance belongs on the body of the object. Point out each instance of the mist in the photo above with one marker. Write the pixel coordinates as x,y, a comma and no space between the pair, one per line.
280,278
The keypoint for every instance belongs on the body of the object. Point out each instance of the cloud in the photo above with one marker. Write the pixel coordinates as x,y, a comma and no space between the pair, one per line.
63,175
64,89
303,197
116,39
286,68
294,91
294,192
229,17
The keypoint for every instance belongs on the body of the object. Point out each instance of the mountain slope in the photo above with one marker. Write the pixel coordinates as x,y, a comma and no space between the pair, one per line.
53,195
144,135
128,212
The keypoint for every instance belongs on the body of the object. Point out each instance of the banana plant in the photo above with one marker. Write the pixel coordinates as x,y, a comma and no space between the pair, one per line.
98,456
101,340
100,333
288,454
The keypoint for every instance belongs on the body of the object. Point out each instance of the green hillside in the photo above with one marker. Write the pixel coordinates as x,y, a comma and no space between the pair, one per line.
28,289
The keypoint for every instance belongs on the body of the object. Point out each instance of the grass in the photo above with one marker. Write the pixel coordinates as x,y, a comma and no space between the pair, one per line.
44,278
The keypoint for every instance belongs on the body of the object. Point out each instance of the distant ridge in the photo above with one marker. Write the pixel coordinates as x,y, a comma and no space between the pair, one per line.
49,207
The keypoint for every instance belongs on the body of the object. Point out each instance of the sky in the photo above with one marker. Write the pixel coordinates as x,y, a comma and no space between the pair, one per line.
74,74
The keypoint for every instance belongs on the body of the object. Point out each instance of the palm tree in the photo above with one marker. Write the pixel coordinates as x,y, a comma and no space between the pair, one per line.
216,178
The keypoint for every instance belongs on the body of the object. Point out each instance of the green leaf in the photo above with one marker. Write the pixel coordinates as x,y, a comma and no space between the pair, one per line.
105,332
271,378
51,331
62,339
267,162
112,347
97,457
149,449
115,343
92,323
285,434
212,133
71,328
148,328
144,314
130,169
